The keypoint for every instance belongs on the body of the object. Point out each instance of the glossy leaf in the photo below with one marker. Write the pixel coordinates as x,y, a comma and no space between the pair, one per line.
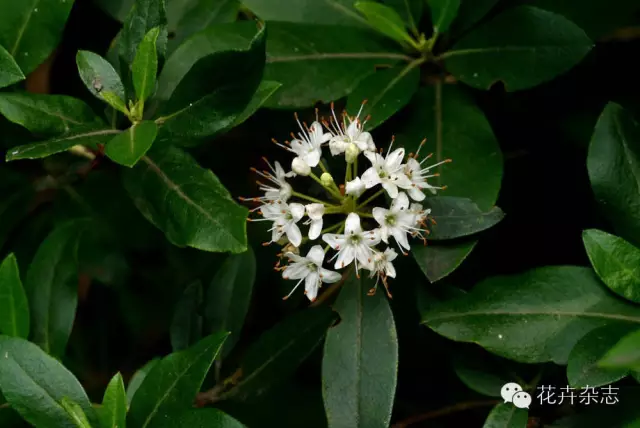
443,13
90,136
113,413
187,202
614,169
10,72
322,63
439,260
186,324
386,92
30,31
409,10
335,12
129,146
506,415
52,287
522,47
145,15
46,114
138,377
624,355
14,307
533,317
145,65
278,352
75,413
458,217
228,297
480,376
386,20
262,94
101,79
470,13
35,384
200,418
172,384
582,366
359,365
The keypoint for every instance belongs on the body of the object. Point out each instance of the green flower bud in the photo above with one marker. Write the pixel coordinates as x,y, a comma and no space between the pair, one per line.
326,179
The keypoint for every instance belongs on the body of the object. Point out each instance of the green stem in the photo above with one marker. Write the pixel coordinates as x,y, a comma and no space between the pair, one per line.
312,199
371,198
361,214
332,228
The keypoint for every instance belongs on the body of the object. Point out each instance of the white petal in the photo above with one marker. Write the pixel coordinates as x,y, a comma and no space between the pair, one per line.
355,187
370,177
294,235
353,130
295,258
374,158
337,146
352,224
392,189
315,131
335,241
401,238
297,211
394,159
365,142
315,229
276,233
315,211
280,173
400,203
298,147
316,255
345,257
311,286
300,166
401,180
416,194
390,254
372,237
295,271
312,158
329,276
364,256
379,214
390,270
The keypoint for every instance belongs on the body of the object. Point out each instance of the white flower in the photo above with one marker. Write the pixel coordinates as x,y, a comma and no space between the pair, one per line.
418,176
355,187
419,217
309,269
278,189
354,244
315,213
284,217
387,171
343,134
308,144
300,167
383,268
396,221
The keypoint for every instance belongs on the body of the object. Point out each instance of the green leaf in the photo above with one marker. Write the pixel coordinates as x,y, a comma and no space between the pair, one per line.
172,384
187,202
145,65
228,297
360,361
624,355
470,12
18,191
533,317
409,10
186,324
89,135
200,418
582,368
75,413
616,262
386,92
117,9
145,15
46,114
522,47
476,374
10,72
506,415
14,307
443,12
129,146
277,353
113,413
458,217
262,94
52,287
614,169
439,260
138,377
333,12
386,20
101,79
35,383
30,31
322,63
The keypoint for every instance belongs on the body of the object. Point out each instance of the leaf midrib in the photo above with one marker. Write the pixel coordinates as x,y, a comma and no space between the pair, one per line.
23,28
616,260
498,49
337,55
59,115
602,315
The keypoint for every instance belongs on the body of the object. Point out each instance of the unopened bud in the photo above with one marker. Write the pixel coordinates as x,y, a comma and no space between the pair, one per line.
351,153
326,179
300,167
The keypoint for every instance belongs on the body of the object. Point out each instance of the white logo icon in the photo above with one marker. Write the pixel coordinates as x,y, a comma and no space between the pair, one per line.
521,400
508,390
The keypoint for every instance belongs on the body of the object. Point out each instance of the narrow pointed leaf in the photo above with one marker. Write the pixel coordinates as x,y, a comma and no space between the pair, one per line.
360,361
10,72
443,12
385,19
171,386
75,413
144,16
145,65
35,384
441,259
458,217
263,93
186,324
506,415
137,379
113,413
129,146
624,355
14,308
409,10
101,79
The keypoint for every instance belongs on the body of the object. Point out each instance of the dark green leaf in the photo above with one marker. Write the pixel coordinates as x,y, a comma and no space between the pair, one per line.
75,413
113,413
52,287
409,10
35,383
625,354
322,63
14,307
475,373
262,94
145,65
386,92
186,324
616,262
228,297
278,352
582,369
470,12
614,169
85,136
172,384
522,47
101,79
386,20
443,13
438,261
138,377
10,72
118,9
30,31
187,202
18,194
506,415
145,15
458,217
46,114
129,146
360,361
533,317
200,418
333,12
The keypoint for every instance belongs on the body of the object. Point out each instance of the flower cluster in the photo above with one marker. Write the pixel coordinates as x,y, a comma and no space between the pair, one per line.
403,178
